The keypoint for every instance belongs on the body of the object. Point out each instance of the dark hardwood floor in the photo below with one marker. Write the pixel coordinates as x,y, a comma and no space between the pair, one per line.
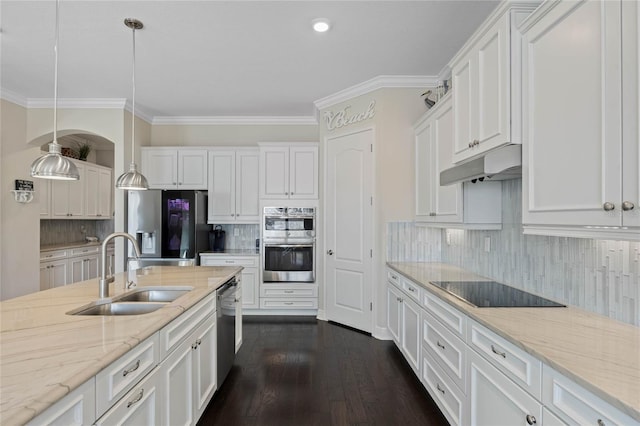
300,371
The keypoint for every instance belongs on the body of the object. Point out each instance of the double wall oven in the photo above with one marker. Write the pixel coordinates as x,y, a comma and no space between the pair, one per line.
289,244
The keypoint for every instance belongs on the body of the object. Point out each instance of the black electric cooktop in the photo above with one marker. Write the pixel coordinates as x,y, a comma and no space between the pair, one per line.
491,294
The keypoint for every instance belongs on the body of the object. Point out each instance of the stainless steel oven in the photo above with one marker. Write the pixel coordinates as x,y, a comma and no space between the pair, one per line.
289,244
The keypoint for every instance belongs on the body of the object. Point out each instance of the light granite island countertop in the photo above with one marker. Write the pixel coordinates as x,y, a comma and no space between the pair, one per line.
45,353
599,353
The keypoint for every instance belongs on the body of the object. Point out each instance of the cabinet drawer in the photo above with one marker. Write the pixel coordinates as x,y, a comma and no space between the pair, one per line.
449,398
119,377
577,406
173,333
413,290
282,303
518,365
445,313
393,277
216,260
81,251
52,255
280,291
449,351
78,407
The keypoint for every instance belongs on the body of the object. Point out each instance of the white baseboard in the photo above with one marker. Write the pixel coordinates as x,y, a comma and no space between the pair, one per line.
381,333
290,312
322,315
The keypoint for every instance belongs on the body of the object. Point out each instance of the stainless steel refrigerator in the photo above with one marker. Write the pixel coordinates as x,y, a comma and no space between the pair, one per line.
169,224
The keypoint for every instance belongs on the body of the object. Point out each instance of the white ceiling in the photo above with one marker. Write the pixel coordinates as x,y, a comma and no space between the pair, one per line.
226,58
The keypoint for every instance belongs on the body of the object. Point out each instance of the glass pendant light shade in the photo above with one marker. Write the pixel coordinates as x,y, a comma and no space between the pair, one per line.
54,166
132,180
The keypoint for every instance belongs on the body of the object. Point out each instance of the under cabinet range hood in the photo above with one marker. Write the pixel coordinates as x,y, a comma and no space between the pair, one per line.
500,164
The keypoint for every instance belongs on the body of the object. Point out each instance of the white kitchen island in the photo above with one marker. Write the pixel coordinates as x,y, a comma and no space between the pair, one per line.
46,355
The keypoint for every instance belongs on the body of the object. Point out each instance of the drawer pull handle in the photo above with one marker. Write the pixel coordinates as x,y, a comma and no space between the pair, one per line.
131,370
531,419
288,291
439,388
601,423
229,261
497,352
440,345
395,277
411,289
198,342
194,346
136,399
288,303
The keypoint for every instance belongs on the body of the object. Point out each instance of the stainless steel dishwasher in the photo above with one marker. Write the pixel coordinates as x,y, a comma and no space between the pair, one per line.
226,327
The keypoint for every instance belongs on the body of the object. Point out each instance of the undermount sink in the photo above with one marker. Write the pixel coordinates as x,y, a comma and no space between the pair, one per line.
117,308
139,301
153,294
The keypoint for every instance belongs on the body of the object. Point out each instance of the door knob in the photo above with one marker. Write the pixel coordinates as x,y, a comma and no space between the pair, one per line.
330,252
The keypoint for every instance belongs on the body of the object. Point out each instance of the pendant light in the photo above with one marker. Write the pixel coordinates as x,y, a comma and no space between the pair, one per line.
53,165
133,179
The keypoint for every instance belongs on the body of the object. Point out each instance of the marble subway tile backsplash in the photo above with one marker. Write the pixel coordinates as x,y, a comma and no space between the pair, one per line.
246,238
596,275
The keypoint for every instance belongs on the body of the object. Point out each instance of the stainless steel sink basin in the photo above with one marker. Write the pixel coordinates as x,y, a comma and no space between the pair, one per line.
153,294
117,308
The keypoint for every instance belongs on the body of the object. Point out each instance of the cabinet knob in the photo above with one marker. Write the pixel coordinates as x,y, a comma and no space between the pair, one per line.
627,205
607,207
439,388
330,252
286,193
470,144
173,183
531,419
476,142
601,423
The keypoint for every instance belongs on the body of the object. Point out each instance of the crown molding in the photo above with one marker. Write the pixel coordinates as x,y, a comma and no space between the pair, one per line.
80,103
13,97
140,112
379,82
237,120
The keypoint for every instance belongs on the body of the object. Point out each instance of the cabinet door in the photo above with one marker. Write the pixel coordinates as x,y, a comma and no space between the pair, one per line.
75,270
222,182
495,400
77,408
274,167
394,304
105,188
91,267
250,282
447,200
464,108
60,199
303,174
583,123
631,111
177,381
43,190
424,167
45,274
410,332
91,191
76,194
192,169
140,406
59,272
247,184
204,365
159,166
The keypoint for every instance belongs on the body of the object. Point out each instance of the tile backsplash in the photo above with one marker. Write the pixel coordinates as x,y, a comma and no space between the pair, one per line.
246,238
73,231
596,275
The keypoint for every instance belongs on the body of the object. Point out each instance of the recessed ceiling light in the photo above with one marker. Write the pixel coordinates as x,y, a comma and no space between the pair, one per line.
321,25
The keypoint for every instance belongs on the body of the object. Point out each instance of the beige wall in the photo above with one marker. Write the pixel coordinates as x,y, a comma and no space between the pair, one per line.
396,111
19,223
205,135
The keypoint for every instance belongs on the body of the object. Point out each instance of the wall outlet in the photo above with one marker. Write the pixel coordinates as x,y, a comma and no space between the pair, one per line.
487,244
447,237
236,232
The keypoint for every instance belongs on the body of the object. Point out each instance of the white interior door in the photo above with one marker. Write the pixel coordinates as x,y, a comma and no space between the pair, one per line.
349,230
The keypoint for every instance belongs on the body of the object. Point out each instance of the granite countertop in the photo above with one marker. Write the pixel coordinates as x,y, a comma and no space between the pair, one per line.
235,252
45,354
599,353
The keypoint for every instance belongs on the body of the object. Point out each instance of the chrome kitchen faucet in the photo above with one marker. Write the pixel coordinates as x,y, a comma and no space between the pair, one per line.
104,280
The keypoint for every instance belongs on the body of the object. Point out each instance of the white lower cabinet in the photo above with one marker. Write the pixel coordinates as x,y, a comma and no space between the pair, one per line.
449,397
77,408
289,296
140,406
495,400
53,274
249,275
404,321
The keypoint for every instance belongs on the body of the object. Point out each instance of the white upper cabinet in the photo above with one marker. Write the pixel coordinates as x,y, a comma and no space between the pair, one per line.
468,205
485,78
233,186
175,168
580,151
289,171
67,197
98,189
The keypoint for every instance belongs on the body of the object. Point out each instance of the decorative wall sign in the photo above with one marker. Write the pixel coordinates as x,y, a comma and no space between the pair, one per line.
336,120
24,185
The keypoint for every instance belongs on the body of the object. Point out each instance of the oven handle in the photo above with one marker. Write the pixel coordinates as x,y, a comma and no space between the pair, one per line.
288,245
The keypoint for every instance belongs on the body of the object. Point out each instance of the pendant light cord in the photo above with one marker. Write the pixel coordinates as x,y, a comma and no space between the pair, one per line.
133,101
55,79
